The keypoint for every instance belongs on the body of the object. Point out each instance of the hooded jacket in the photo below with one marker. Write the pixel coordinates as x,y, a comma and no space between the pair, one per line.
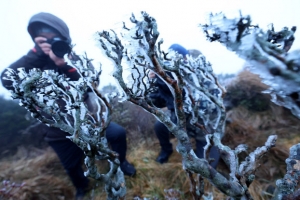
50,20
36,58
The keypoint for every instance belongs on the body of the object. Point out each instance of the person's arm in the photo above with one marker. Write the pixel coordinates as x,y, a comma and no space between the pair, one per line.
35,58
39,57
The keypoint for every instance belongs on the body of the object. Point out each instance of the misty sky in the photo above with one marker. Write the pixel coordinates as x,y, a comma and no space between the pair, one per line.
178,22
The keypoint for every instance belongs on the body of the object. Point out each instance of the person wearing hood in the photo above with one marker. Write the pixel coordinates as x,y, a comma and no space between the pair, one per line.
163,97
44,28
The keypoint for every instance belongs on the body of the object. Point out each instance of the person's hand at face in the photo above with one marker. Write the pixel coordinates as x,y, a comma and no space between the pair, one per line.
58,61
42,43
46,48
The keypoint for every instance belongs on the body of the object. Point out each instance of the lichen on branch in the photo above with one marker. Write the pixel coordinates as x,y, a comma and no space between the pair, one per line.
76,107
198,101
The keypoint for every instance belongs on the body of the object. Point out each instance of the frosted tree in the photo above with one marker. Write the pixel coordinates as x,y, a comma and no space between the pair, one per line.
268,54
198,98
58,102
196,93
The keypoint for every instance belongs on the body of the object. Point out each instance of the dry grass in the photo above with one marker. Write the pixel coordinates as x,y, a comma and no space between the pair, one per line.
41,172
253,128
46,179
153,180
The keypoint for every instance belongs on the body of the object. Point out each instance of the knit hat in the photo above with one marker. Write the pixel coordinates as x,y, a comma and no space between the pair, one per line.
180,49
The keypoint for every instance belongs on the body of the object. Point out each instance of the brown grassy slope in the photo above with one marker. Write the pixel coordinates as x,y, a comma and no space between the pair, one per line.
252,122
248,123
45,178
41,172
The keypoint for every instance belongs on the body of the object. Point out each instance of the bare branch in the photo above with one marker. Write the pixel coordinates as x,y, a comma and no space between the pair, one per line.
58,102
196,93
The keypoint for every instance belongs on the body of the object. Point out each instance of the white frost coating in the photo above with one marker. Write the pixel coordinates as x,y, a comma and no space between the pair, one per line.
73,92
84,129
136,56
265,57
21,73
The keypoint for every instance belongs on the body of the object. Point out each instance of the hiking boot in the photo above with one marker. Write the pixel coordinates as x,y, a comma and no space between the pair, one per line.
163,156
127,168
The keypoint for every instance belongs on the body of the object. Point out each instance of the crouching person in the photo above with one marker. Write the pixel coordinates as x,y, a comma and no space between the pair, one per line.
45,27
163,97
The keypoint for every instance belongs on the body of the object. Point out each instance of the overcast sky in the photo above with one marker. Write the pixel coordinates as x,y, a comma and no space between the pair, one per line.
178,22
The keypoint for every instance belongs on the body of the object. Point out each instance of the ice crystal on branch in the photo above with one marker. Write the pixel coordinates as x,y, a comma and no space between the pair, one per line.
265,51
198,102
288,185
77,108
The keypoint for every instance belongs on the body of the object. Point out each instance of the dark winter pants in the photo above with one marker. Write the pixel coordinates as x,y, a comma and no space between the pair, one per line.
163,136
71,155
